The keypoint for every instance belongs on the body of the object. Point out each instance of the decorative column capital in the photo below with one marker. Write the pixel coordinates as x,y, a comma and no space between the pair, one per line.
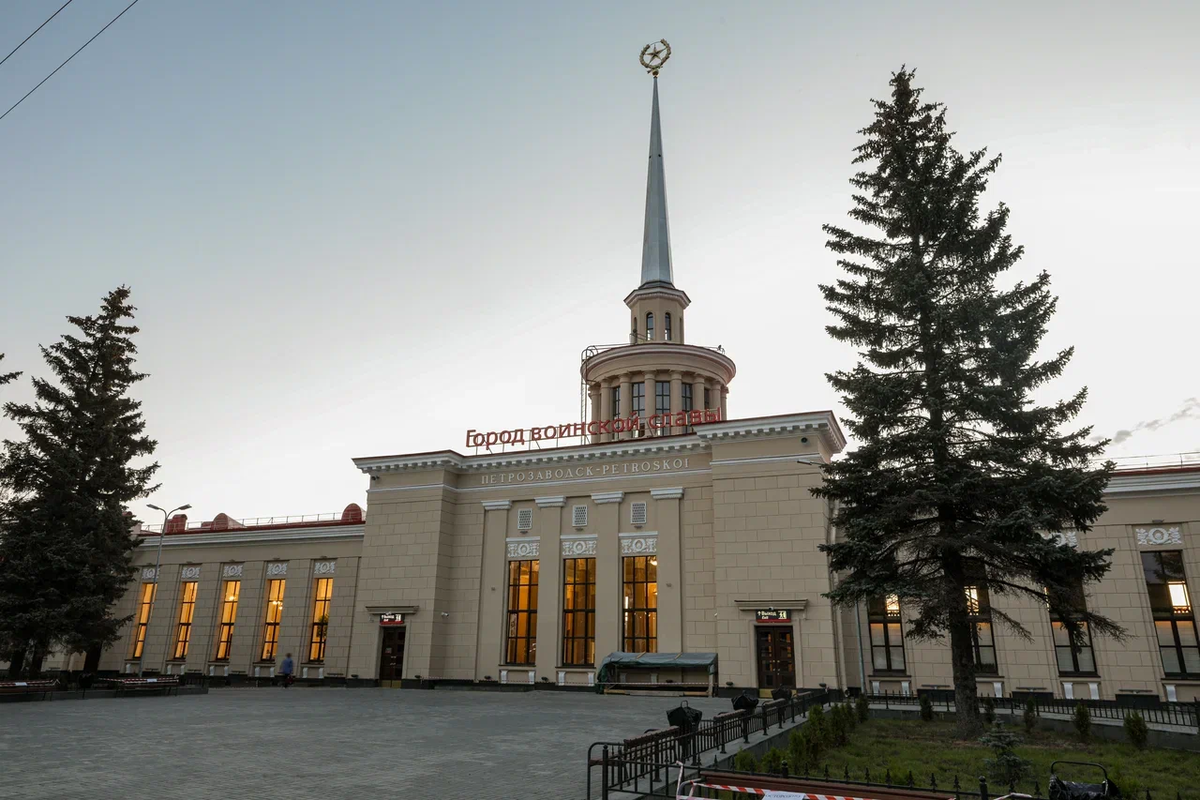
674,493
497,505
599,498
550,502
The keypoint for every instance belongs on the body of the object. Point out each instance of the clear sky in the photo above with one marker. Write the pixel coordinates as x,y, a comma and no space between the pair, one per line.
361,228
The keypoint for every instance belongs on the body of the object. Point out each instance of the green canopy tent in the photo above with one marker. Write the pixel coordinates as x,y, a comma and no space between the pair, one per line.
613,663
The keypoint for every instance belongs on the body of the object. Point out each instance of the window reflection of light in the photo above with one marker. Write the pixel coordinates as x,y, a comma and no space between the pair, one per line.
972,600
1179,595
654,561
893,604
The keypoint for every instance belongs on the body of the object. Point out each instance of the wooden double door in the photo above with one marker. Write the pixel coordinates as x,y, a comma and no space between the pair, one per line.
776,656
391,655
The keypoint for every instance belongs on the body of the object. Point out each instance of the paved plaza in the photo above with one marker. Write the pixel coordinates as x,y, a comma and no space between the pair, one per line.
318,743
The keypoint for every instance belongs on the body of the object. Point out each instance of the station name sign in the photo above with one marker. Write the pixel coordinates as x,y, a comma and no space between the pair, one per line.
657,422
390,618
773,615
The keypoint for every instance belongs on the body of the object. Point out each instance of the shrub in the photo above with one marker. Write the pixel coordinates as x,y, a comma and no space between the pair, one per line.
804,749
989,710
839,726
1082,720
851,716
1005,765
1136,730
818,725
1126,786
1029,717
926,708
745,761
772,762
862,708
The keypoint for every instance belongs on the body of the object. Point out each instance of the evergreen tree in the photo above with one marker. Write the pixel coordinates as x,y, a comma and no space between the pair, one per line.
66,556
957,470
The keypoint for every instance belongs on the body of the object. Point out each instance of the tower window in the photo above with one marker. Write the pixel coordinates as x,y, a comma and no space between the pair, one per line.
667,327
650,327
616,402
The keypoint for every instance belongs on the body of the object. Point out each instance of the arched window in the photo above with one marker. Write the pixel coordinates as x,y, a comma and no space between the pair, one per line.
650,327
667,327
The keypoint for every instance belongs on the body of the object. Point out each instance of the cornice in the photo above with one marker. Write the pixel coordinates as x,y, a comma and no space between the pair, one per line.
256,537
663,351
1151,482
658,290
822,423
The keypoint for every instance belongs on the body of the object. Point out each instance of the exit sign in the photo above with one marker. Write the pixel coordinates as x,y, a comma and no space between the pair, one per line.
391,618
773,615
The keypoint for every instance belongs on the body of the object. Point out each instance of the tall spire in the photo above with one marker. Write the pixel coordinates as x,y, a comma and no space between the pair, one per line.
656,239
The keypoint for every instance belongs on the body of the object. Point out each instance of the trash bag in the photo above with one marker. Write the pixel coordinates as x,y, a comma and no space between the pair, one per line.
685,718
1075,790
745,702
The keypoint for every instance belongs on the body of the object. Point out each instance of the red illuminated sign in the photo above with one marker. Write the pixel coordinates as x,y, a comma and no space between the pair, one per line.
390,619
657,422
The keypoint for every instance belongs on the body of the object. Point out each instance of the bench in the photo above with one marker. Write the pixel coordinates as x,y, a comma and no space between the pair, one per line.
28,688
126,685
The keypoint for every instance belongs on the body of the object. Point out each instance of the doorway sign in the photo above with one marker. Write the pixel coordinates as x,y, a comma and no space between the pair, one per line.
391,620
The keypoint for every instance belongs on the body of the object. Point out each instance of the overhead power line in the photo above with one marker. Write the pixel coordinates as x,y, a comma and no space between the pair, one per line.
63,64
39,27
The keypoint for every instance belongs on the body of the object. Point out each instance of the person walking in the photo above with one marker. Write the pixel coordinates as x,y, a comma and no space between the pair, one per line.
286,669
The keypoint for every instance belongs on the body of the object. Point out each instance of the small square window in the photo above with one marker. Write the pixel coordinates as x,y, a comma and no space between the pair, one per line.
637,513
524,519
579,516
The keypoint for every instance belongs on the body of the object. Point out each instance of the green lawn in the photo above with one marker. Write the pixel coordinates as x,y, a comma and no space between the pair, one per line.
925,748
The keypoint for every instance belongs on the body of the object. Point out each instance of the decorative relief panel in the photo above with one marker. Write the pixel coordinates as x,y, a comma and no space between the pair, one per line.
149,573
639,545
576,548
277,569
189,574
1064,537
1155,536
525,548
232,570
324,567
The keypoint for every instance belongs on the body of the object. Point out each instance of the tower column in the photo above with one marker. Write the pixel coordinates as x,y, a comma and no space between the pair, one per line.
626,401
676,397
606,412
697,393
724,390
649,379
594,398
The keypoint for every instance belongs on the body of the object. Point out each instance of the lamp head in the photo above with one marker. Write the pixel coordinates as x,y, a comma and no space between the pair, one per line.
151,505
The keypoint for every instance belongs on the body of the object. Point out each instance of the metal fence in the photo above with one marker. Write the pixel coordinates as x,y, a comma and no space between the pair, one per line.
1182,715
640,763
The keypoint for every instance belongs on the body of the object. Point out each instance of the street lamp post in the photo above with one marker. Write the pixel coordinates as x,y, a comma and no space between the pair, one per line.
157,564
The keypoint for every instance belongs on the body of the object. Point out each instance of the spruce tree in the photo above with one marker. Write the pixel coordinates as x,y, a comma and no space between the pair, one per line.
957,469
66,555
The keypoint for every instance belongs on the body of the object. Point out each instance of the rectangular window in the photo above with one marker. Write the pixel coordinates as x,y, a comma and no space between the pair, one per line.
639,399
616,402
187,609
641,604
685,400
1171,606
322,595
579,612
887,637
521,636
145,603
1074,655
662,397
706,403
274,614
979,611
229,603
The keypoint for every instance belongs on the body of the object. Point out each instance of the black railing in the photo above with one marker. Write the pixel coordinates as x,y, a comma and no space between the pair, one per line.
640,763
1182,715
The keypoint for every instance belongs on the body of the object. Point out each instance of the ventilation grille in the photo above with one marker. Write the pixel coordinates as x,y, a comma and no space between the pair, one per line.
637,513
524,519
579,516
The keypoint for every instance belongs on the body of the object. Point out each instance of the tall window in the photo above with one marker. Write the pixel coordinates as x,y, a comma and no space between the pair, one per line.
662,398
521,640
706,402
887,637
274,614
187,609
322,596
616,402
649,327
667,327
145,603
229,603
641,604
979,611
579,612
638,408
685,399
1073,653
1171,606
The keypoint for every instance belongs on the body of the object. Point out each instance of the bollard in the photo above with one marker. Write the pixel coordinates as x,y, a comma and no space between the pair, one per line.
983,790
604,773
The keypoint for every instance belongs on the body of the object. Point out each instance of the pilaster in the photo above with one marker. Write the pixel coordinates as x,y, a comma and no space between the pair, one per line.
670,569
549,608
608,572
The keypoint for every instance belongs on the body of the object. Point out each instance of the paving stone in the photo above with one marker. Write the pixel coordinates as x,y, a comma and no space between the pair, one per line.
327,744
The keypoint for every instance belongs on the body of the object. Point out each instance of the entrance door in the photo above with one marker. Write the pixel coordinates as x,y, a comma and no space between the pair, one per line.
776,657
391,655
